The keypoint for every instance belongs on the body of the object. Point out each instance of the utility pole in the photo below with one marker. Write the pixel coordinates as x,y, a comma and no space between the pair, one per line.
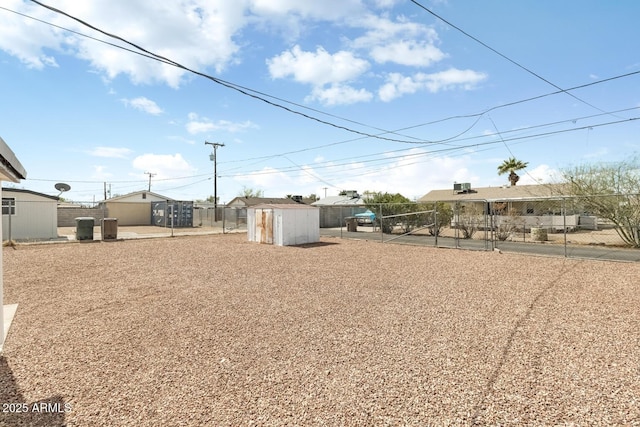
212,156
150,175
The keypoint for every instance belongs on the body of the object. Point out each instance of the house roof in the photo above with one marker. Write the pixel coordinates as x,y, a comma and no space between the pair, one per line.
21,190
10,168
252,201
135,193
523,192
339,200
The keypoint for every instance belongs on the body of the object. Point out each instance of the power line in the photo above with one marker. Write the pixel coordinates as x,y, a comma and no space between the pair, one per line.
480,144
153,56
241,89
517,64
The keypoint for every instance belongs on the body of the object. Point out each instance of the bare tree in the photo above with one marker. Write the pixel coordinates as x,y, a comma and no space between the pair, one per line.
610,191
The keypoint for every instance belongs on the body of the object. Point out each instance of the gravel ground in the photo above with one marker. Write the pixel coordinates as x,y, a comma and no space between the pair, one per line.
216,331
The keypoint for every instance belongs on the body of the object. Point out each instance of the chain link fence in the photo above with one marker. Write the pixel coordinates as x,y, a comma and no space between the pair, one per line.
601,226
585,226
28,218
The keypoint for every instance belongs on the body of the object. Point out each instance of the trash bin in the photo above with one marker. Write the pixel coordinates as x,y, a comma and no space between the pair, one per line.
352,224
84,228
109,229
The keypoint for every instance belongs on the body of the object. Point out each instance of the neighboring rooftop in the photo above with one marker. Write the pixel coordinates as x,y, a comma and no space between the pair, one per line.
497,193
252,201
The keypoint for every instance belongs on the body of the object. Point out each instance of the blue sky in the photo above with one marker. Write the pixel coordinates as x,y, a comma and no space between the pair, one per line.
83,112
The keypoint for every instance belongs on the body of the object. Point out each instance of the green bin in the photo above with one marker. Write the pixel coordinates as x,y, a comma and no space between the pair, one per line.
84,228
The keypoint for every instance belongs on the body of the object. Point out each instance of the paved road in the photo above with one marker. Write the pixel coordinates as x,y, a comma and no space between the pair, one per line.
535,248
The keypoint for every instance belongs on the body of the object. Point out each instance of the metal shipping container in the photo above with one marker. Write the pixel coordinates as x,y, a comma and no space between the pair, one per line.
163,212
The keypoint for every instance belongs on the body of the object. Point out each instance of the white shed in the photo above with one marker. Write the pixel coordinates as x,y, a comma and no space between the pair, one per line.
28,215
283,224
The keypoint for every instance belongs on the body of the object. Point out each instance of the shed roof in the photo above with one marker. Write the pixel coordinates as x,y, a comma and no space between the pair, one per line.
22,190
283,206
523,192
10,168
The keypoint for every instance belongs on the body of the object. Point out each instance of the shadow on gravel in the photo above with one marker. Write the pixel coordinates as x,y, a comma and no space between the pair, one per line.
314,245
480,406
14,411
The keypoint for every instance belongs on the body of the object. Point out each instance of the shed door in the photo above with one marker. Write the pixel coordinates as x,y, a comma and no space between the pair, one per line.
264,225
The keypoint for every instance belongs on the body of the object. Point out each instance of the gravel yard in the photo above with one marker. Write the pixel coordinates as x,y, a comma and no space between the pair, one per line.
216,331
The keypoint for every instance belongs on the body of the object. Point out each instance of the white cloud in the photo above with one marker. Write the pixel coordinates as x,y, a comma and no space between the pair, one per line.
197,125
338,94
408,52
317,68
398,84
143,104
401,41
542,174
192,33
27,39
325,10
165,166
100,173
412,175
277,182
112,152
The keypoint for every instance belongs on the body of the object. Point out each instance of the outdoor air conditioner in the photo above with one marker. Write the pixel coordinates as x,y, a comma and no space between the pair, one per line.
463,186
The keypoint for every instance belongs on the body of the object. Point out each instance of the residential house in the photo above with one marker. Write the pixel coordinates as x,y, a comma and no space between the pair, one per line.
534,205
133,208
335,209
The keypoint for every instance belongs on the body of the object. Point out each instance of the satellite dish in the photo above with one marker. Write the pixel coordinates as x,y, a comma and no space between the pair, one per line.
62,187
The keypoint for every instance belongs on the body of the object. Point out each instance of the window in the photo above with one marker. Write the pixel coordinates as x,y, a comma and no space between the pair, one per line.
8,206
530,209
144,195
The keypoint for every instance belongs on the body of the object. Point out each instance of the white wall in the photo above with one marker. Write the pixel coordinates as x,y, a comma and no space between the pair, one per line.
35,217
287,226
296,226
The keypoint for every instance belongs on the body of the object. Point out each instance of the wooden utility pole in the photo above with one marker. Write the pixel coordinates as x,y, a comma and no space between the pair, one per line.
212,156
150,175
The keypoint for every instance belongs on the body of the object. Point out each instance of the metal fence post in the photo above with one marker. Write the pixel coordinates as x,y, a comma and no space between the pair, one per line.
564,224
381,232
436,226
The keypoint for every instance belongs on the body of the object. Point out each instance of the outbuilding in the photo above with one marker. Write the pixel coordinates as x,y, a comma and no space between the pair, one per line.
29,215
283,224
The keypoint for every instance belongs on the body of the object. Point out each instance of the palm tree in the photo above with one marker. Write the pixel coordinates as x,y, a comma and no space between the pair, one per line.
512,165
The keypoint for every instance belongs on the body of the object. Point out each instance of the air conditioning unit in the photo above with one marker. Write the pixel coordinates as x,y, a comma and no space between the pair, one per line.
463,186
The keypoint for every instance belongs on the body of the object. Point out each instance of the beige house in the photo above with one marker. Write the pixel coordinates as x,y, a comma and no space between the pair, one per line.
133,208
534,205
